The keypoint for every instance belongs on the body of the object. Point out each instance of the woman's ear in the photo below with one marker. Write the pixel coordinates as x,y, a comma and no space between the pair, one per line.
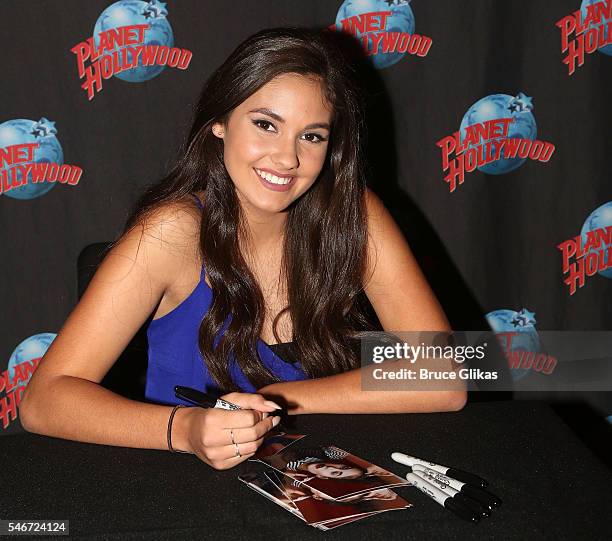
218,130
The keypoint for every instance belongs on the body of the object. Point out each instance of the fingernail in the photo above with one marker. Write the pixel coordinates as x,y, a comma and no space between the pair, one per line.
275,421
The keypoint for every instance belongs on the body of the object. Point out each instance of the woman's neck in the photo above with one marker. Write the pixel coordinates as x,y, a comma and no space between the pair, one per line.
265,231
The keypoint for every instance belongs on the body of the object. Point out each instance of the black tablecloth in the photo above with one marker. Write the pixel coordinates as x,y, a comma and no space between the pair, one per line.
551,485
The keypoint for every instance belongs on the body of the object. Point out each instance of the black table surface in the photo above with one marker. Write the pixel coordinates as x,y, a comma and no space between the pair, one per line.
551,485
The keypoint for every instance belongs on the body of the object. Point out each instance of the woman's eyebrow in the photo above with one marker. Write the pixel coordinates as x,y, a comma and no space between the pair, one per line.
279,118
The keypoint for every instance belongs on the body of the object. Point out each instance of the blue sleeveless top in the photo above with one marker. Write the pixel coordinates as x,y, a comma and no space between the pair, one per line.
175,359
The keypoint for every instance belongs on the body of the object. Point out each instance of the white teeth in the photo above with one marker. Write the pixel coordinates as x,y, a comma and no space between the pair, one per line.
273,178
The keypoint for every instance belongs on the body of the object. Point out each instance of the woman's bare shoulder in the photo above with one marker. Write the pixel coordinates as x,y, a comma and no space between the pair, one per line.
173,219
166,238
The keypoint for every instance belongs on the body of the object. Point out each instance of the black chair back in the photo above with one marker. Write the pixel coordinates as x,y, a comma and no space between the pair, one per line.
127,376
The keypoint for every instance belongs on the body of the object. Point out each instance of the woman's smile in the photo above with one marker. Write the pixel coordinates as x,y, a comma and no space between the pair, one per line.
274,182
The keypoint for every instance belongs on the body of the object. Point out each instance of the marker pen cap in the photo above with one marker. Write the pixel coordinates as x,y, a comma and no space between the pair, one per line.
475,506
460,510
466,477
481,495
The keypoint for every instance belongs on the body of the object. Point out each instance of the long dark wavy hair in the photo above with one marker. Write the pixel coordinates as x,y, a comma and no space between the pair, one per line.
324,251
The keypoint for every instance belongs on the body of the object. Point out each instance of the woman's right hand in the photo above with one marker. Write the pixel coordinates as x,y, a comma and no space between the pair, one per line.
210,431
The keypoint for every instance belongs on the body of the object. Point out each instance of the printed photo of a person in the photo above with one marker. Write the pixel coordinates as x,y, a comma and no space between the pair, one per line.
332,471
317,508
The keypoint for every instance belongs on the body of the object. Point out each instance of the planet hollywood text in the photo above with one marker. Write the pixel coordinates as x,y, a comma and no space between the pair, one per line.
519,359
370,28
13,388
18,164
591,255
120,49
591,30
485,142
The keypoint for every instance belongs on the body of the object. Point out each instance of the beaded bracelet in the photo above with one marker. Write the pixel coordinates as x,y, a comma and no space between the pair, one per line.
170,429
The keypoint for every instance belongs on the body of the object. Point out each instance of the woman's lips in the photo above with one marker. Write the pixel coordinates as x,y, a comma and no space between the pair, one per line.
272,186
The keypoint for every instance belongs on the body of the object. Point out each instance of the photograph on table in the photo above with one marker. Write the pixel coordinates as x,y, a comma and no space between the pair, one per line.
288,487
333,472
317,508
269,484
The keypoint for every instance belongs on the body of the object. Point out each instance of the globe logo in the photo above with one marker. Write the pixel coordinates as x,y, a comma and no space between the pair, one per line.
352,13
42,133
606,49
30,349
522,322
131,12
600,218
503,106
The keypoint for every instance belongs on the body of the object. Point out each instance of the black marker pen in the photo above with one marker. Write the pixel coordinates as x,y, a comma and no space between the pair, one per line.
479,494
203,400
460,475
475,506
443,499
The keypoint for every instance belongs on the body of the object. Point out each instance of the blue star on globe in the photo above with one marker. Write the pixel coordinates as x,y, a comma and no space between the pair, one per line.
43,128
521,103
129,12
525,101
155,9
523,318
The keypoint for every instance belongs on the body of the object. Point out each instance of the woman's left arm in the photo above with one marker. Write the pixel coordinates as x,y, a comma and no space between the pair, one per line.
403,301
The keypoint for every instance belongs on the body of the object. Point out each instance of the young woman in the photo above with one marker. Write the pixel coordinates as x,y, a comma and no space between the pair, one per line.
263,233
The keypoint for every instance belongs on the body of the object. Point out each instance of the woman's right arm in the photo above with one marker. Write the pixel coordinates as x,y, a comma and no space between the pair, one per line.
64,397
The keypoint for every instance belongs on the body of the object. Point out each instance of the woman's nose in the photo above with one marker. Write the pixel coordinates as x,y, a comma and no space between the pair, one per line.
285,155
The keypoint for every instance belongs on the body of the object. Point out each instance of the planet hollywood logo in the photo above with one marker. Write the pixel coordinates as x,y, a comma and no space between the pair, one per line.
520,342
384,27
32,160
585,31
496,136
591,251
133,41
21,366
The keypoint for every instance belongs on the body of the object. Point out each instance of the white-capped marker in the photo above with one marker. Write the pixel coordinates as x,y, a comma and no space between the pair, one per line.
457,496
481,495
460,475
443,499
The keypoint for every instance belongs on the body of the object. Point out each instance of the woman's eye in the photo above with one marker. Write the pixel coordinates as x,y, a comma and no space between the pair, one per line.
314,137
263,124
310,137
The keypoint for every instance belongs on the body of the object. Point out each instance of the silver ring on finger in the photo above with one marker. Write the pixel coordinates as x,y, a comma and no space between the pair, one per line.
237,450
232,436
